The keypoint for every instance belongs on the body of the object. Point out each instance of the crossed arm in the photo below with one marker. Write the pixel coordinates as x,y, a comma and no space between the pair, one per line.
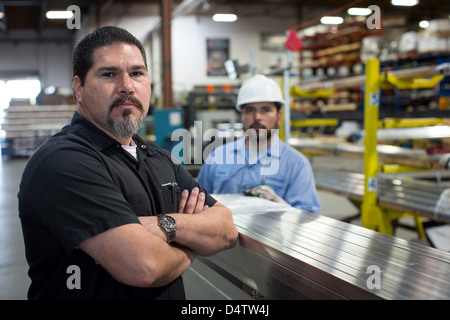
139,255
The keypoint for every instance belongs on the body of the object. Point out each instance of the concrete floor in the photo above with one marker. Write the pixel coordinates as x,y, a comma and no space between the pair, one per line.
14,281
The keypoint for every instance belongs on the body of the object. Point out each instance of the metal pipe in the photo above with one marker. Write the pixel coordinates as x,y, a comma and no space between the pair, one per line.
408,192
166,18
357,81
287,104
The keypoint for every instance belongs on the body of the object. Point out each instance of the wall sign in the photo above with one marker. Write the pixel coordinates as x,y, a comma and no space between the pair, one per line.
217,52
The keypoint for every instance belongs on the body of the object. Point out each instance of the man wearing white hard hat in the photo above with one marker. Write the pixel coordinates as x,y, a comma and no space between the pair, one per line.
260,164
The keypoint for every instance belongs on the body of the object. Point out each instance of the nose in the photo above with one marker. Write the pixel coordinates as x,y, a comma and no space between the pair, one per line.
126,86
257,115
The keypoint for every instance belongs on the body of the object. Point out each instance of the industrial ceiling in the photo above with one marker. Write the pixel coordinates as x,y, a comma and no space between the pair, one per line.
30,14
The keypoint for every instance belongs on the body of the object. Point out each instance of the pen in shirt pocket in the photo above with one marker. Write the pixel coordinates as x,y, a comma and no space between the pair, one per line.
174,188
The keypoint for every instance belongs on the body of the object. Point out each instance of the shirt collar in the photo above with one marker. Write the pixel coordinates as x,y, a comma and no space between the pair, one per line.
272,150
99,138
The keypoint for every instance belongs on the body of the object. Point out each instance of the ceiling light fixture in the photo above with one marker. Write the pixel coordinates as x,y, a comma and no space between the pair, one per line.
359,11
224,17
59,14
424,24
331,20
405,3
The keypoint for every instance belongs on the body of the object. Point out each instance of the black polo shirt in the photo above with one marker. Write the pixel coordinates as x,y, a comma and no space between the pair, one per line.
80,183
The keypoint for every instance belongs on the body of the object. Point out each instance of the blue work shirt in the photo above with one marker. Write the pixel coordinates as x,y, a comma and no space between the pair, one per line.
233,167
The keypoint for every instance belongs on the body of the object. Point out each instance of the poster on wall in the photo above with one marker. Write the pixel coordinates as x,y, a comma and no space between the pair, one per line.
217,51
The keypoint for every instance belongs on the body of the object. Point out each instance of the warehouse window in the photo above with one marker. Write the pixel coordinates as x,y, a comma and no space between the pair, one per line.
23,89
4,102
18,89
4,97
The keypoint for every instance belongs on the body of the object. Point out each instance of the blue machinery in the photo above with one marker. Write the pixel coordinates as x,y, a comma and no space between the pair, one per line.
165,122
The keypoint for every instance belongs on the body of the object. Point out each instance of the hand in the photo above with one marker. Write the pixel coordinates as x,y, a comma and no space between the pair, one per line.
193,203
265,192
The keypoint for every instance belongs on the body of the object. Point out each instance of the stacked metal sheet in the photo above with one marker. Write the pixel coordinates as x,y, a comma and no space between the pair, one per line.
285,253
394,154
349,184
426,193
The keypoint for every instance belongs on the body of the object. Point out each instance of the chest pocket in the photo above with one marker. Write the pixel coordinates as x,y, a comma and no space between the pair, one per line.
223,173
171,194
140,203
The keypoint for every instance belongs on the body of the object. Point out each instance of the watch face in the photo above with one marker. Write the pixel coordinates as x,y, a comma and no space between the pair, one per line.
170,222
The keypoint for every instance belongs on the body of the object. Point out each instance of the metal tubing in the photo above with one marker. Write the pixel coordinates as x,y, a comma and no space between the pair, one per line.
286,253
408,192
166,17
358,81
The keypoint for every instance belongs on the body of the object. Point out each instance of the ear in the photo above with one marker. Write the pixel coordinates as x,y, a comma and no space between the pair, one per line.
77,89
279,117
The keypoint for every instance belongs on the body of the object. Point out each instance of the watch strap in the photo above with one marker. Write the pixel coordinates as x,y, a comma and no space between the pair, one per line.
168,225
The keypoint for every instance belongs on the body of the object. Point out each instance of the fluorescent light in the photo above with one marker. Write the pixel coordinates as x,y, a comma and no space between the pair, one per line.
406,3
331,20
424,24
2,14
59,14
359,11
224,17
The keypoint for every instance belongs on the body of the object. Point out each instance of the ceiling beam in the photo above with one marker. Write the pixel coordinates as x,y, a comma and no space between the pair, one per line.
22,3
42,13
166,17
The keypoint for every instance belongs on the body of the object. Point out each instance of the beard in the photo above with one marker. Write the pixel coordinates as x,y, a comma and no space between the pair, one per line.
127,126
260,132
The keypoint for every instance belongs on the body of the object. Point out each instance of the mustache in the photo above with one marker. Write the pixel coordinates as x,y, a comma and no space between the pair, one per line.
257,124
126,99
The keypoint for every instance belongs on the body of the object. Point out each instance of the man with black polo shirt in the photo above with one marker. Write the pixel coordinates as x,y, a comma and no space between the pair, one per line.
98,198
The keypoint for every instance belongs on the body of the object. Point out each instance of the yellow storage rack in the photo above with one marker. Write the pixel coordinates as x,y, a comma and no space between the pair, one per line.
373,216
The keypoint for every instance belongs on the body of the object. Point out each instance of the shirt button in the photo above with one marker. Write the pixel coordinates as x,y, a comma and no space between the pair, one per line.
143,146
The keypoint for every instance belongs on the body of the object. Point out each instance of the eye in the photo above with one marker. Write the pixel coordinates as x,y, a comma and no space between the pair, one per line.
249,110
108,74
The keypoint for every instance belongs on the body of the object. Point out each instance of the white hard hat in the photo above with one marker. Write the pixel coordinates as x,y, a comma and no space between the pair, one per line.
259,88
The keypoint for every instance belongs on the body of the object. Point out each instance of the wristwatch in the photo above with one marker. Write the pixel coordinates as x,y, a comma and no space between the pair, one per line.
169,225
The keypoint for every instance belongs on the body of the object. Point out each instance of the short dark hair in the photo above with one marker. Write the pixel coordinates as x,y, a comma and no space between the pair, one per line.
83,53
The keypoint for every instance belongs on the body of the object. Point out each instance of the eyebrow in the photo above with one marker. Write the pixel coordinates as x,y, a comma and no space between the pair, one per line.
113,68
260,107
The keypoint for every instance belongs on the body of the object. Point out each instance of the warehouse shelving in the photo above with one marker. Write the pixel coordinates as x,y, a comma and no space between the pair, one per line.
339,53
416,99
27,127
373,215
327,56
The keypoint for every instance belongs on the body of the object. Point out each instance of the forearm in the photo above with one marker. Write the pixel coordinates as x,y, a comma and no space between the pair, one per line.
180,258
207,232
135,257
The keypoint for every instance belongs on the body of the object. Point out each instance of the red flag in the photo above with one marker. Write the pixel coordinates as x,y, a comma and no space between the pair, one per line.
293,42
